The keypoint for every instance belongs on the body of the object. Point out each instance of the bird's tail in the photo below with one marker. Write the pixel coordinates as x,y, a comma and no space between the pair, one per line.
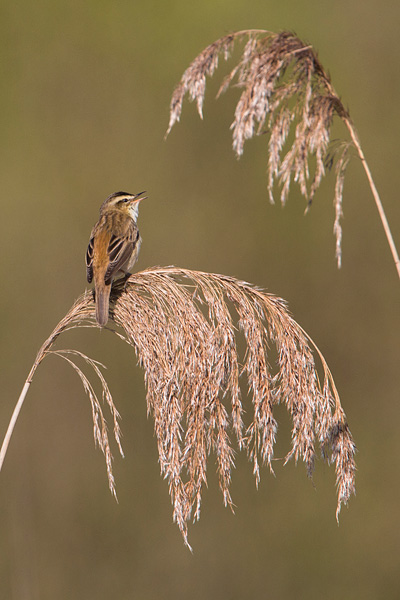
102,303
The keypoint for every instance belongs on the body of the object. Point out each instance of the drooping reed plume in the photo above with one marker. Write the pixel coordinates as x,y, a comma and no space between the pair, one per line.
184,327
286,93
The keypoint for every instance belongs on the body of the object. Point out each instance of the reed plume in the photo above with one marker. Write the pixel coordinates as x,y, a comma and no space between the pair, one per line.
286,93
184,327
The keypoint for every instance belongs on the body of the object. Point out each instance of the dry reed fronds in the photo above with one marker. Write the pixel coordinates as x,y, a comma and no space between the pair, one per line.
80,315
181,324
287,92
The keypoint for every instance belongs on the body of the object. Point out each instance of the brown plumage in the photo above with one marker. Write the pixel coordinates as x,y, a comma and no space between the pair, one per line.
113,247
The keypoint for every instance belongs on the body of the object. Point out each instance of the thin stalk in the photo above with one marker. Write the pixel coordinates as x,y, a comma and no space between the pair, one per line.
15,415
375,194
21,399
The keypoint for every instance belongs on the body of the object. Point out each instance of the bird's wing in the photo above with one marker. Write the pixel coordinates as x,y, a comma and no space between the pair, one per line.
119,251
89,261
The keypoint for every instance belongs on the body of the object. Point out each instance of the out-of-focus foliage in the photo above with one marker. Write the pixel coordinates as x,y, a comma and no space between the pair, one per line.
84,106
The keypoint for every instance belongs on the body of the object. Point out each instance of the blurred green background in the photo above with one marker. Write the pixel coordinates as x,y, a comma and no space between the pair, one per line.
85,91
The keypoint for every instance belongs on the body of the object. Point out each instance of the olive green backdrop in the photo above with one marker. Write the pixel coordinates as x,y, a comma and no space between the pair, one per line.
85,90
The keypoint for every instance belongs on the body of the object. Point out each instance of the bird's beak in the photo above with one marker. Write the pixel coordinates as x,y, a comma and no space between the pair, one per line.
138,197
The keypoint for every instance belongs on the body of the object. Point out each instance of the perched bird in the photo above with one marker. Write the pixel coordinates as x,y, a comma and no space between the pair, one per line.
113,247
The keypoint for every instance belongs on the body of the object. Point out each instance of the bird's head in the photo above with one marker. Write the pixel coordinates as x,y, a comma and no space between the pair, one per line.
124,202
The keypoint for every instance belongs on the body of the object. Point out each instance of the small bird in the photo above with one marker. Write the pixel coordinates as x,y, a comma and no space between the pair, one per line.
113,247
